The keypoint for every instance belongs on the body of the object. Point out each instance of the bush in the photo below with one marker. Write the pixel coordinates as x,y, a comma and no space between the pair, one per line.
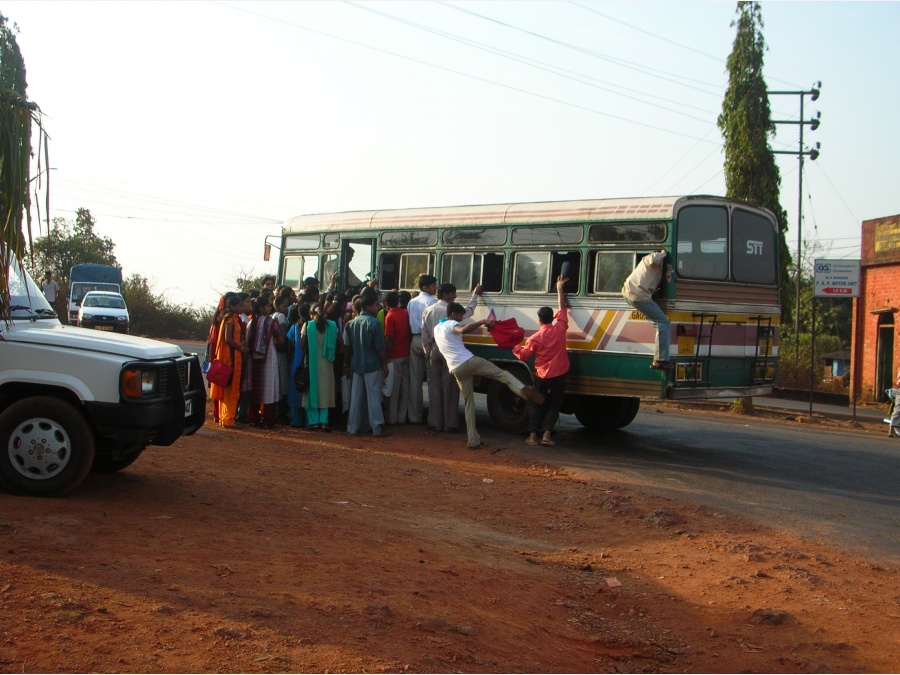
794,364
152,316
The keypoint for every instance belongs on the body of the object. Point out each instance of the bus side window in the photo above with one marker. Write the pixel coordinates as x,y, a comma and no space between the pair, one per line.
492,272
460,269
389,269
329,269
411,266
297,267
571,260
611,269
531,272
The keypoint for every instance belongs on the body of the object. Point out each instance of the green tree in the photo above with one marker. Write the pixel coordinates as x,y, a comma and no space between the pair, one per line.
246,282
17,115
71,243
746,123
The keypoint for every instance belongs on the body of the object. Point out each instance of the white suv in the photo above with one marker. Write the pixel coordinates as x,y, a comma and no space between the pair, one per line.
103,310
75,400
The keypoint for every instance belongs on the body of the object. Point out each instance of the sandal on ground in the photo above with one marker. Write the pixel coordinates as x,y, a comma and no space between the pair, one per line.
548,442
661,365
531,441
325,428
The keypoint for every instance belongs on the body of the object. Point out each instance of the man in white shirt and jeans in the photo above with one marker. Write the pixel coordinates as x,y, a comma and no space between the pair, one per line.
638,292
49,287
417,362
464,366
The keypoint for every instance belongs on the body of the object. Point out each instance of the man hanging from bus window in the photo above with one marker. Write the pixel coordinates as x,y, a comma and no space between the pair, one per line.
465,366
638,292
551,366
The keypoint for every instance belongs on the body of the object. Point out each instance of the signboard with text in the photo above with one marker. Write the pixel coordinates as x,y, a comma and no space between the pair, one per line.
837,279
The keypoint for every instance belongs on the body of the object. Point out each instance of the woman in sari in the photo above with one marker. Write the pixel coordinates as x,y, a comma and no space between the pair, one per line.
265,334
319,338
230,349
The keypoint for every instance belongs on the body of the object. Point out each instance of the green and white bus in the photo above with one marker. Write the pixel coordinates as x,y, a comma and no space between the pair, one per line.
720,288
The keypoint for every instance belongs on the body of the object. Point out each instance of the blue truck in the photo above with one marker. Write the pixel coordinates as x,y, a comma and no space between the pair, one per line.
90,277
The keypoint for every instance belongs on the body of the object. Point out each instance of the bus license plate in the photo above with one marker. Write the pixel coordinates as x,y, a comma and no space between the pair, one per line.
188,407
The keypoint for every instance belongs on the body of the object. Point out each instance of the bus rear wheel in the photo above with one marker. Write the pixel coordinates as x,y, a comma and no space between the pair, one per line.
508,412
606,413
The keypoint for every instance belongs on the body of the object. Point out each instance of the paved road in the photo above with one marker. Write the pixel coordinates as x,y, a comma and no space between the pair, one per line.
839,487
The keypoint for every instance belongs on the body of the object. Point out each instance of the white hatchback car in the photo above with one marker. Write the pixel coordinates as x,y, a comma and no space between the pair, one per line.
103,310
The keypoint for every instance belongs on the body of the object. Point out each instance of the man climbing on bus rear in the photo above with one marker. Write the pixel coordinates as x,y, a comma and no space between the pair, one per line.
638,292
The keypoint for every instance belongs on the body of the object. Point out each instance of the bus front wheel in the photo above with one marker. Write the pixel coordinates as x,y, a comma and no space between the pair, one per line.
606,413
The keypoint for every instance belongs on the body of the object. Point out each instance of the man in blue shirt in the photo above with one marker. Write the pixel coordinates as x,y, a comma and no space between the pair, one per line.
365,363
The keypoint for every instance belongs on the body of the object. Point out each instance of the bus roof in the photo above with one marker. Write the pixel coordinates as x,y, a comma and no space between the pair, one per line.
493,214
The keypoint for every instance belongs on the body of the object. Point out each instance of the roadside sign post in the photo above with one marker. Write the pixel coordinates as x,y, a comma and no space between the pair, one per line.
832,279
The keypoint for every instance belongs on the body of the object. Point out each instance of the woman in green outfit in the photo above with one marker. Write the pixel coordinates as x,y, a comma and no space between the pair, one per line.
319,339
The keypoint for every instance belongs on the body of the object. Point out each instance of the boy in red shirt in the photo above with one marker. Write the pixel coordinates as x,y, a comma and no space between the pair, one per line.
551,366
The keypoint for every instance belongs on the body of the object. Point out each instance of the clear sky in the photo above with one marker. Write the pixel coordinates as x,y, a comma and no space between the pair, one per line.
192,130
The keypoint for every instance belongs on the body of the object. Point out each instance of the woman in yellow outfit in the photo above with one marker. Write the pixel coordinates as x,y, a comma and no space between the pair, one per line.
230,350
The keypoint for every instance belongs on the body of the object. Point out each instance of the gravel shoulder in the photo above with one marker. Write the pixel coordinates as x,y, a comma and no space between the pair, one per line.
288,551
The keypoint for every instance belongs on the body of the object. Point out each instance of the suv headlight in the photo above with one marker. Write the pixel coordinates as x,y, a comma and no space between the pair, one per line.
139,383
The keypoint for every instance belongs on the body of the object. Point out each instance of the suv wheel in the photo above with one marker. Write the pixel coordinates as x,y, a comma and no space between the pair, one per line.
46,447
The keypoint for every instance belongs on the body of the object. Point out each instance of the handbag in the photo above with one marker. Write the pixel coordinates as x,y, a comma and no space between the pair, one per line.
219,373
301,376
507,333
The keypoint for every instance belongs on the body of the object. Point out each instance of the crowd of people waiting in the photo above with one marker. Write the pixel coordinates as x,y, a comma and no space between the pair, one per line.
368,361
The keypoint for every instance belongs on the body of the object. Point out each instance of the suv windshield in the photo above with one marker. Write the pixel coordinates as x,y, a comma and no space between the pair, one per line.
25,296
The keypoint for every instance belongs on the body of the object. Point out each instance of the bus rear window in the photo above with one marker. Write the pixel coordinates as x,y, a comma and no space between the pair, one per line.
753,248
701,248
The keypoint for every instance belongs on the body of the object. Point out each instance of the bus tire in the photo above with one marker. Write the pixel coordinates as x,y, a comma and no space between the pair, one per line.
607,413
508,412
46,447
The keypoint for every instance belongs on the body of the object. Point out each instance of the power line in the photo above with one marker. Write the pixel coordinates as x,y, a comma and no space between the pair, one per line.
458,72
646,70
646,32
540,65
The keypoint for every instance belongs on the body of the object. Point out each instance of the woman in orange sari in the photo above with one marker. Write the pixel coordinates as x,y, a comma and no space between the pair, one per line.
230,350
212,341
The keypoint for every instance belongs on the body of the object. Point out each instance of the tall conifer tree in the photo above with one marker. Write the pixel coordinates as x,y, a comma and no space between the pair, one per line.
746,123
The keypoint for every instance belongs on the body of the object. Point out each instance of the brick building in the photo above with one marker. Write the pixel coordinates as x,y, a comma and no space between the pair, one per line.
876,348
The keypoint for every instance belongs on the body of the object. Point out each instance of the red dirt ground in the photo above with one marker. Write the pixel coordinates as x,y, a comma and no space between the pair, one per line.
285,551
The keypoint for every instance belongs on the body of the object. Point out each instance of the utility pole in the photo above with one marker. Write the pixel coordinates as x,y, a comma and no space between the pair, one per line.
801,153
